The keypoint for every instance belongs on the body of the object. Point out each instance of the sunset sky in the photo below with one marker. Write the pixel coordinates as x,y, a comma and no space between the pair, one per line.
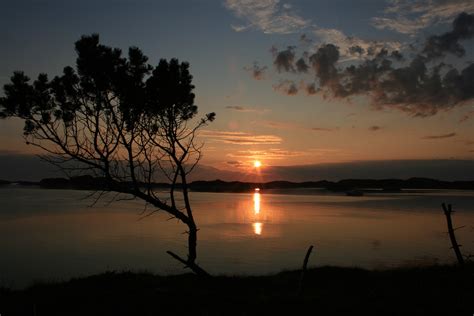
259,66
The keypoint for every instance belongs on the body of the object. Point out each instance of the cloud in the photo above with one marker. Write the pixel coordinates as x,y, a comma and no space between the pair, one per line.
323,129
15,166
240,108
270,154
301,65
419,86
375,128
466,117
277,124
269,16
437,45
440,136
241,138
324,64
399,24
288,125
310,88
287,87
284,59
352,47
305,40
235,163
411,16
442,169
257,72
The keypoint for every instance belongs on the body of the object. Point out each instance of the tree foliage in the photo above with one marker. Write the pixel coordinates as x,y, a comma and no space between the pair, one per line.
117,118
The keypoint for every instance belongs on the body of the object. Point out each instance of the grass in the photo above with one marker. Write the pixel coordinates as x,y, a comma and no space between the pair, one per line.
435,290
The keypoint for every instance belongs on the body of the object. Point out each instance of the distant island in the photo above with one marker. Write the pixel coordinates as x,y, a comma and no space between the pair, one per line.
370,185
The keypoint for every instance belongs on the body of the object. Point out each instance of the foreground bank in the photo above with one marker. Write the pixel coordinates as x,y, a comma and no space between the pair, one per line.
434,290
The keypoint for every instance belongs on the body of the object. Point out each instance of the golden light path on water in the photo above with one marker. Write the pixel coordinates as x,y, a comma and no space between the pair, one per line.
256,202
257,225
257,228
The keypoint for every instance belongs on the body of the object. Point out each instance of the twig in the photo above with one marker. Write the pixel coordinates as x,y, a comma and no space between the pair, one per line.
303,270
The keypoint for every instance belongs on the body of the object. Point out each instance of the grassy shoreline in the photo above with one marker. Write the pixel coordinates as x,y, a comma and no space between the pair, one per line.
433,290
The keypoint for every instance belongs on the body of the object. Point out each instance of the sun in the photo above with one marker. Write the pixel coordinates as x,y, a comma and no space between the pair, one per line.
257,163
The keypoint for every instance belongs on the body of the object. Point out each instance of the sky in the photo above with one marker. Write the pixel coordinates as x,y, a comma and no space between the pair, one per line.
314,88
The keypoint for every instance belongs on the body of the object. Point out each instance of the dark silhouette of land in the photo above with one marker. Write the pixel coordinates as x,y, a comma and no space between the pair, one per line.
368,185
372,185
436,290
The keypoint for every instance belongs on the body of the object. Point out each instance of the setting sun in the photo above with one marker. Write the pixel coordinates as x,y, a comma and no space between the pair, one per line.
257,163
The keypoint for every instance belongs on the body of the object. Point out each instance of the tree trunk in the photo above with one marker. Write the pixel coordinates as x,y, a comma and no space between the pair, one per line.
192,251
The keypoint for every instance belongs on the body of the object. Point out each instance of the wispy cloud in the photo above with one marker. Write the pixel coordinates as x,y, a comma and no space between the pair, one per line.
293,126
269,16
323,129
235,163
375,128
240,108
277,124
270,154
466,117
411,16
241,138
257,71
439,136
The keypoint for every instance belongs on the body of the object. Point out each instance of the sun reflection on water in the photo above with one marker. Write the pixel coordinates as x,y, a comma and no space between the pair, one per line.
256,202
257,226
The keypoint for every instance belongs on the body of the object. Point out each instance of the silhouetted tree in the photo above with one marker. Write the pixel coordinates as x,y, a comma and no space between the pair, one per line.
119,119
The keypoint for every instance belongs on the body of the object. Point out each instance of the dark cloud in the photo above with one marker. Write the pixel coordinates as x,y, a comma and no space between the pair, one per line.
324,63
310,88
446,169
16,166
463,28
286,87
440,136
375,128
234,163
356,50
301,66
396,55
257,72
419,86
284,60
27,167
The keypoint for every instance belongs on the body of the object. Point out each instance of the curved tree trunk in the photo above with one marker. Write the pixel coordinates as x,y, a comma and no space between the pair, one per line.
192,251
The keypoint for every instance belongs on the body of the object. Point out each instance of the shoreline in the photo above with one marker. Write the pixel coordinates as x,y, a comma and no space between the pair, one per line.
354,187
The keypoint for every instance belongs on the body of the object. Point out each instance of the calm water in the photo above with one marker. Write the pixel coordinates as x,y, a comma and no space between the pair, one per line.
55,235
